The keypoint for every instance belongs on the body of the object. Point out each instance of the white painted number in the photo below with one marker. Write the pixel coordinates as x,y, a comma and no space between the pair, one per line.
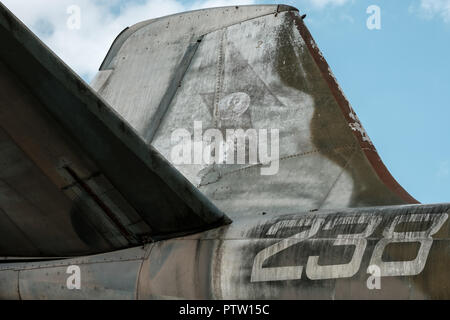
314,271
283,273
414,267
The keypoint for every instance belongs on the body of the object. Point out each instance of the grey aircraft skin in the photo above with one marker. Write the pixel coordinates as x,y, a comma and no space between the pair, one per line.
95,204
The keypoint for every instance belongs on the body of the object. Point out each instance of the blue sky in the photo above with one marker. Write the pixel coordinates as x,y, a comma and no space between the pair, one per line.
396,78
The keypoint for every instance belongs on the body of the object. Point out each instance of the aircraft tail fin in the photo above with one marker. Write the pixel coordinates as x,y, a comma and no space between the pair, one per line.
256,70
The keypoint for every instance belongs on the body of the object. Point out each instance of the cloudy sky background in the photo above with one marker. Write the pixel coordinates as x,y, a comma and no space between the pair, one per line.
396,78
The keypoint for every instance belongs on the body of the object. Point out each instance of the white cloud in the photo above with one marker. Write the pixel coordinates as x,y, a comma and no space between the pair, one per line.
435,8
220,3
101,21
323,3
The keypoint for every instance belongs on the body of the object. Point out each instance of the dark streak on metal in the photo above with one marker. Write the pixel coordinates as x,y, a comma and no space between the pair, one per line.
171,91
91,176
102,205
138,278
18,285
217,262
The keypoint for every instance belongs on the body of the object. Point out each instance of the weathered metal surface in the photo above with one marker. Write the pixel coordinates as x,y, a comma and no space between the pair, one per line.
321,255
156,47
198,22
75,178
9,285
174,83
313,230
326,256
110,276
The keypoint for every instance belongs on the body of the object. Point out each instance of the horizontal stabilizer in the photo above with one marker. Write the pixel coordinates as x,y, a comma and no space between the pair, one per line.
75,178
